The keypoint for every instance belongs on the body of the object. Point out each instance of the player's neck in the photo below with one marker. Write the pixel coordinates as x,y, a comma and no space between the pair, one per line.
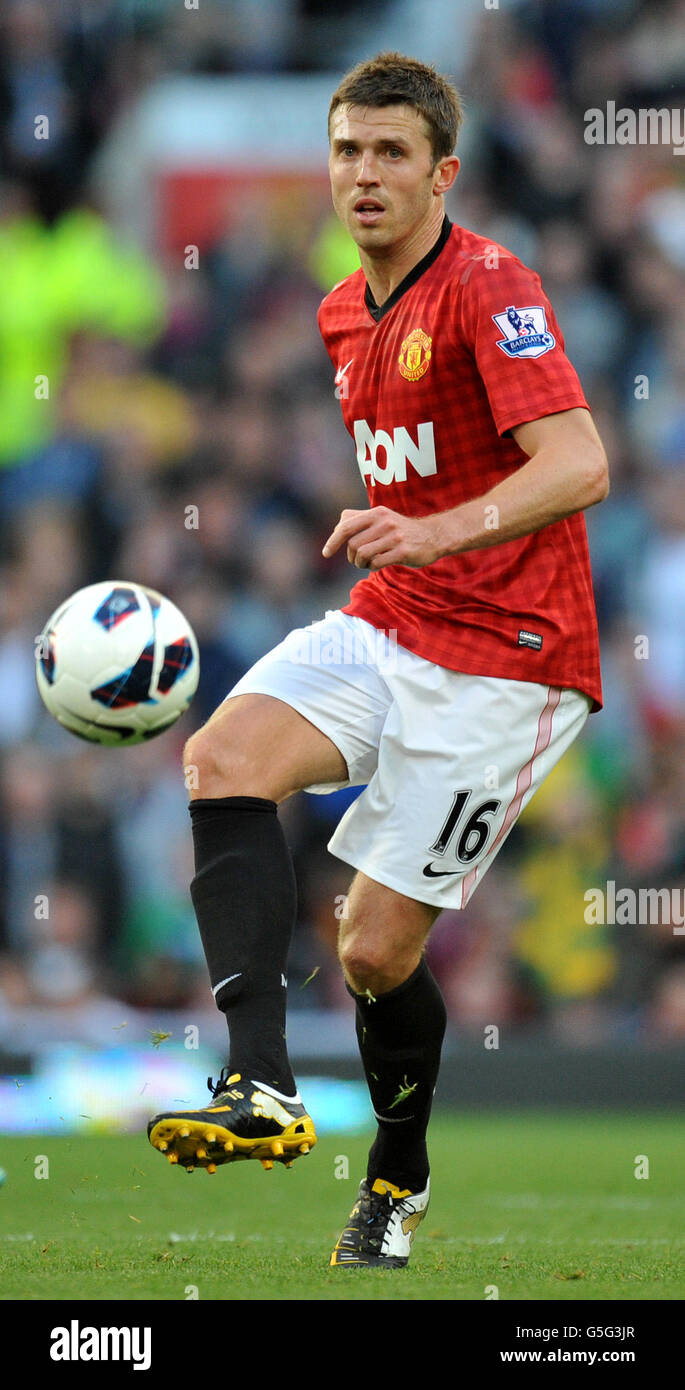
387,269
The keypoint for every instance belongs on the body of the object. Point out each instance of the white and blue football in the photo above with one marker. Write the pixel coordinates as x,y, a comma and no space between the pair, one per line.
117,663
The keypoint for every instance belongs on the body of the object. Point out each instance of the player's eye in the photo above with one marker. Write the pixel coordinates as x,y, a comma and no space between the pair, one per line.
394,150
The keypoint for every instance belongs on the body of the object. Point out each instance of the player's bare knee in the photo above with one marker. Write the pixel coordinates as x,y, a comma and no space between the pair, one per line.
188,757
368,964
213,768
365,977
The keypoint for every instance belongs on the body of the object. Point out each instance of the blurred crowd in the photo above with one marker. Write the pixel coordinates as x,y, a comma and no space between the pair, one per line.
163,387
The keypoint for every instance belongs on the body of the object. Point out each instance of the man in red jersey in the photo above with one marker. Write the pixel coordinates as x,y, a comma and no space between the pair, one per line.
462,668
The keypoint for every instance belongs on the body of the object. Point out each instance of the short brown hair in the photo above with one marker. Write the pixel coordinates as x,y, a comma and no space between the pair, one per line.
391,78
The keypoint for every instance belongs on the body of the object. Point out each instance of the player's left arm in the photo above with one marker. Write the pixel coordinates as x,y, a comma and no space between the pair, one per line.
566,472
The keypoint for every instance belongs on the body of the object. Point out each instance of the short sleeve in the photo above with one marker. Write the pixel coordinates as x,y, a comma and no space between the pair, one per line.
509,324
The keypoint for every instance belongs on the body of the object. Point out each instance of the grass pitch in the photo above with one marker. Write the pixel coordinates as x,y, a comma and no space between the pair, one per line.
544,1206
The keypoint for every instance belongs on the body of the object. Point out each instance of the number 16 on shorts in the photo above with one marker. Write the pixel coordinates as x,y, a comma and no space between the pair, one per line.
468,836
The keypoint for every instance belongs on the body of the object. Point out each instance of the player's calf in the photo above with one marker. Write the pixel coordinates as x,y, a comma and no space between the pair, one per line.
400,1023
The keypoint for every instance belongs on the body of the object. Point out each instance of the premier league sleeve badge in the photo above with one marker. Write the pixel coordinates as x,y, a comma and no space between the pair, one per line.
526,332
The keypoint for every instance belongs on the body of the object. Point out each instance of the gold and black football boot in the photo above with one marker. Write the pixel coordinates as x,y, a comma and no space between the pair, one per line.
381,1227
244,1119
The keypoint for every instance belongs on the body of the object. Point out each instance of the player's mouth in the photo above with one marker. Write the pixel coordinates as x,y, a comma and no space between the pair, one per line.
368,211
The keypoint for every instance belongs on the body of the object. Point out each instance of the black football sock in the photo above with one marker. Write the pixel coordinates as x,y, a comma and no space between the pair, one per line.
400,1037
244,896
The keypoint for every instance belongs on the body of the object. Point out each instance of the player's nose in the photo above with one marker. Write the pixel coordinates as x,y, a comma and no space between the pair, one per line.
367,172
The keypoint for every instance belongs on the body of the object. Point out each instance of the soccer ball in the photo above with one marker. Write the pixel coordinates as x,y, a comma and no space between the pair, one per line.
117,663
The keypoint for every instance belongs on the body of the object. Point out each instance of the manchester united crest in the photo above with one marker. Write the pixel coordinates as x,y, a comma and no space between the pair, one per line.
414,359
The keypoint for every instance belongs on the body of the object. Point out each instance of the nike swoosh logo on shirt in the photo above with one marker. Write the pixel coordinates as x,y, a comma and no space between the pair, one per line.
429,872
341,371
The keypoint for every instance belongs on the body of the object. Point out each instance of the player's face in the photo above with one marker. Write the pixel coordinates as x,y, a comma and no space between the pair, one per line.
382,176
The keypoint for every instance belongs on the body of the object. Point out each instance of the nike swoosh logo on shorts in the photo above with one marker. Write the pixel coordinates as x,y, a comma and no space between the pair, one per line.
429,872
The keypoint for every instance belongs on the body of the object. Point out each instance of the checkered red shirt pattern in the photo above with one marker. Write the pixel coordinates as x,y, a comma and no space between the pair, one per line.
458,395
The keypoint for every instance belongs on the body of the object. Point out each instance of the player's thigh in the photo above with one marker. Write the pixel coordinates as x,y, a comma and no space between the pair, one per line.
459,759
257,745
307,716
382,934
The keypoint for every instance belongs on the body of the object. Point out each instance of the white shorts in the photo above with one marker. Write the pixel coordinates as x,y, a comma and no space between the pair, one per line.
448,760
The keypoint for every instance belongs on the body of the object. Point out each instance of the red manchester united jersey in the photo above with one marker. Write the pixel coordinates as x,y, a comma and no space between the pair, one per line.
430,383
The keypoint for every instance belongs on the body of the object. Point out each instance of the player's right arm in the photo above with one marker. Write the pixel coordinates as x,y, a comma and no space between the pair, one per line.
566,472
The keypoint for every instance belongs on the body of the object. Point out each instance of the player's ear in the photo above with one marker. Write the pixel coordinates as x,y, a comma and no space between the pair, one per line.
445,173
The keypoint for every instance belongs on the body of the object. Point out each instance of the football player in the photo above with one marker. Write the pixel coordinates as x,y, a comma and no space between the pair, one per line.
463,666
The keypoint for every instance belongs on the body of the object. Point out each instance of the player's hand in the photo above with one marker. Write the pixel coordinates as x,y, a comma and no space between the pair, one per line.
378,536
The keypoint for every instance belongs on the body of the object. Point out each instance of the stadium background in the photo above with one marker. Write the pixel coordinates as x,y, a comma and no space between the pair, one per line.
185,378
